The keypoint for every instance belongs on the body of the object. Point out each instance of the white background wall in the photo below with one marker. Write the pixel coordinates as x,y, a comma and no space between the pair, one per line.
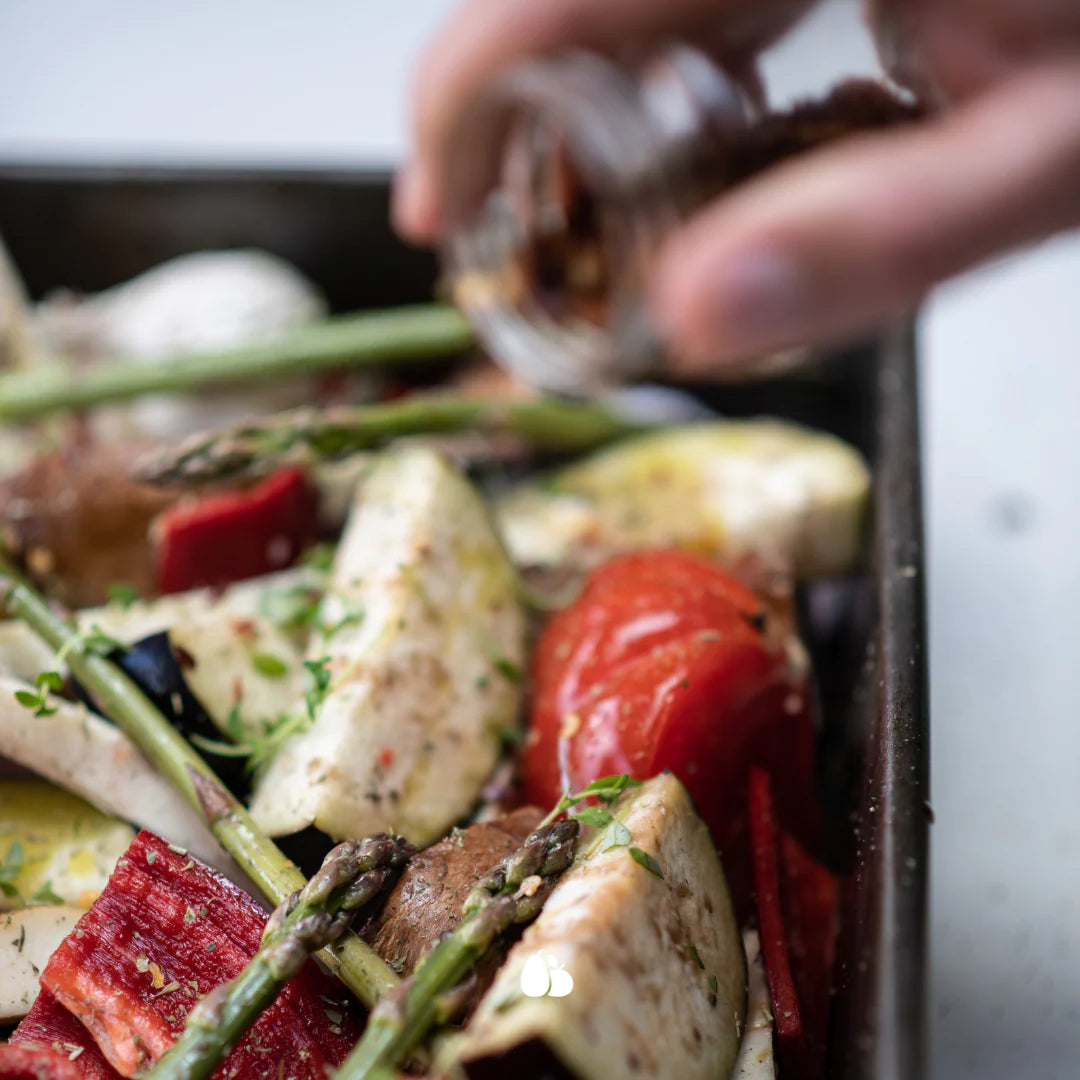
325,81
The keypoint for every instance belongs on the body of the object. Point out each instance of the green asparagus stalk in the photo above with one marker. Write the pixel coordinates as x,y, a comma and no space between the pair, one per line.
354,962
512,894
366,339
352,875
306,435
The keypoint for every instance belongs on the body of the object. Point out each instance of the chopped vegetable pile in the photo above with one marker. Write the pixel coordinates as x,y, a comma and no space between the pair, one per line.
523,751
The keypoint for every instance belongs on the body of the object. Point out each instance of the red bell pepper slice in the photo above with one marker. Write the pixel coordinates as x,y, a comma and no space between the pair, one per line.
765,855
37,1063
797,903
219,539
49,1025
165,931
810,898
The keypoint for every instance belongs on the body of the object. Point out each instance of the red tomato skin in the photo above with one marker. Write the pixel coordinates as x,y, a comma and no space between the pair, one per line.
661,664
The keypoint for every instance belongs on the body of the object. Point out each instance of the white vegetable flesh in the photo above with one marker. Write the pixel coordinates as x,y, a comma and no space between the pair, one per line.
787,497
222,636
616,975
428,637
27,939
756,1060
84,754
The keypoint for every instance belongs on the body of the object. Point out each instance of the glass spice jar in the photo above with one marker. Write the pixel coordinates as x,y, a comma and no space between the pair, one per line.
570,171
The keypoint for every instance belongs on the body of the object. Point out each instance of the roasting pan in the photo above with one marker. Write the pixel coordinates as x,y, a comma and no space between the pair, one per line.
89,228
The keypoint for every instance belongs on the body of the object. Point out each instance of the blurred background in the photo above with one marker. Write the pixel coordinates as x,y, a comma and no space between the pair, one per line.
325,83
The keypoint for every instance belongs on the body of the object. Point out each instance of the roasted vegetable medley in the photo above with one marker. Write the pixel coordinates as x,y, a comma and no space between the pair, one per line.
361,722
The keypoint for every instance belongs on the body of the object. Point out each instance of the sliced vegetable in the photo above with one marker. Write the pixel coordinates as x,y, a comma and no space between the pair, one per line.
765,850
49,1026
756,1060
625,972
66,848
811,897
666,662
37,1063
166,931
224,538
27,940
411,690
80,752
426,903
786,496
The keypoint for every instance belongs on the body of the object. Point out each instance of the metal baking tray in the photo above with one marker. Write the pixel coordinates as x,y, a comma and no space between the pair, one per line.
88,228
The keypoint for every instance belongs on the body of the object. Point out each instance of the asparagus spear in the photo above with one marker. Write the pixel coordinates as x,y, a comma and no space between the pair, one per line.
351,876
307,435
513,893
366,339
351,960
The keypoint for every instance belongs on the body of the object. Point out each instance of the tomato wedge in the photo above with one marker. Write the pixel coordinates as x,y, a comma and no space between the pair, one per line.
667,662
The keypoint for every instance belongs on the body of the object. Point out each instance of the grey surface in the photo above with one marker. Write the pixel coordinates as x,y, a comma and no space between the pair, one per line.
241,81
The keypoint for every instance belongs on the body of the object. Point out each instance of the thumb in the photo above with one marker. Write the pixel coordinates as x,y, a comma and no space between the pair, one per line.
842,240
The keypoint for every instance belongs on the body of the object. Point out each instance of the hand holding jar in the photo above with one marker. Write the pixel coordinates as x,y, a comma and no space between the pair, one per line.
824,245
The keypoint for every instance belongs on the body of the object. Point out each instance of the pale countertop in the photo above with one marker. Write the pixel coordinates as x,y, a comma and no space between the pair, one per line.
242,81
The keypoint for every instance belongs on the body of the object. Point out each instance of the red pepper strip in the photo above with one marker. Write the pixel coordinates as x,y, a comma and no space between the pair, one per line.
224,538
50,1026
37,1063
164,932
811,896
765,855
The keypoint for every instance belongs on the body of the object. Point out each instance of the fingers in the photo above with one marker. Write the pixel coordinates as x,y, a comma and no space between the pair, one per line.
840,241
486,36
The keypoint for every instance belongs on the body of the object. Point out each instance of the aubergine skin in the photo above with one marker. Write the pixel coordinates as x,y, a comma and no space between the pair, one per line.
635,966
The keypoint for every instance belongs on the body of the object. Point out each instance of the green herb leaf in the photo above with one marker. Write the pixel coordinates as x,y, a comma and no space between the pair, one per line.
122,594
615,835
273,667
320,676
508,669
319,557
45,895
50,680
28,699
609,788
10,867
594,816
712,983
234,724
221,749
353,618
95,640
291,608
691,951
643,858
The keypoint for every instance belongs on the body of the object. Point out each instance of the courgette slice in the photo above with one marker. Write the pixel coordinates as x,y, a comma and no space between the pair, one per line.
788,497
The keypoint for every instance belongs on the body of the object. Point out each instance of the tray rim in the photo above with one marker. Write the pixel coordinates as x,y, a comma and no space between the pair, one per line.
886,1032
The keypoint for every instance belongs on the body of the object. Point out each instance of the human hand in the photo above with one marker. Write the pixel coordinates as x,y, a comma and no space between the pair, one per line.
841,239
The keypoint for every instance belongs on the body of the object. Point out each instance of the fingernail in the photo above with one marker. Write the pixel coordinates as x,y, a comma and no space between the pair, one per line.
756,300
